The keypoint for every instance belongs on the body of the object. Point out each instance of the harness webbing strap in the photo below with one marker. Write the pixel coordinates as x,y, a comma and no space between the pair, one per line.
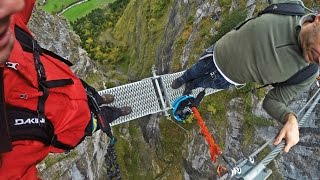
284,9
27,44
58,83
54,142
300,76
279,8
5,140
24,124
54,55
215,150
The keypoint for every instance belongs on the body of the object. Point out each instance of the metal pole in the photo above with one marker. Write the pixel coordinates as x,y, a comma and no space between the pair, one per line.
155,77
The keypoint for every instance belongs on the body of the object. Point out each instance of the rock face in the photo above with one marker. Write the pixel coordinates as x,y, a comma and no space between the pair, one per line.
52,32
146,139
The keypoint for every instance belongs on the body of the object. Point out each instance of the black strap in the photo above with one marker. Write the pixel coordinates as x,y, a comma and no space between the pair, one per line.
24,124
54,142
300,76
54,55
29,44
58,83
41,84
94,102
280,8
284,9
199,98
5,140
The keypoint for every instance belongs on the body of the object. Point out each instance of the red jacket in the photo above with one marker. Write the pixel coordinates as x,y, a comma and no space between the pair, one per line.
69,126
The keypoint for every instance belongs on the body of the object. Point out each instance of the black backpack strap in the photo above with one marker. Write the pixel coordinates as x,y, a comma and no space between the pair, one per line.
94,102
300,76
54,55
24,124
29,44
58,83
54,142
5,140
292,9
284,9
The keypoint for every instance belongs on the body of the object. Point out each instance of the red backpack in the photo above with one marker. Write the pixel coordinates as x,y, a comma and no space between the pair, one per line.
44,99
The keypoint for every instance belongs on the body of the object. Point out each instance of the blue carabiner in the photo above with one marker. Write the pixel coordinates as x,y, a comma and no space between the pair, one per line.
181,113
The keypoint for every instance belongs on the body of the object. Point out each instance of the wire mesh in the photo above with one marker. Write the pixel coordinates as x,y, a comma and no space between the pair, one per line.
140,96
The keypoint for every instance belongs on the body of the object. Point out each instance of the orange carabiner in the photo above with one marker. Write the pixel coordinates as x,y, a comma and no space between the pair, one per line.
221,170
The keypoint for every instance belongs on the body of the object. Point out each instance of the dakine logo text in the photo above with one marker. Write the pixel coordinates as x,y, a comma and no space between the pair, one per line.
19,122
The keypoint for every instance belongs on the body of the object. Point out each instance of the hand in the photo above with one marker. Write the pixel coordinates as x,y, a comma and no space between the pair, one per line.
7,8
290,132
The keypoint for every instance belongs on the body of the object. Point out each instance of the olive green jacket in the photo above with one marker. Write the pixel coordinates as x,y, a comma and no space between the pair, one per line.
265,50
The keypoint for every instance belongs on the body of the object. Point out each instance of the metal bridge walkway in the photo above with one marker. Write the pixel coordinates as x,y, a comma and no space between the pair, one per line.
148,96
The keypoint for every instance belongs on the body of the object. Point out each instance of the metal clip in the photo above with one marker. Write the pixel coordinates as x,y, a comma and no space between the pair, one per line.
12,65
24,96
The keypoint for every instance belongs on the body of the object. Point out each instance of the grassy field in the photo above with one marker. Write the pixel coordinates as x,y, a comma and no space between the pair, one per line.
85,8
55,6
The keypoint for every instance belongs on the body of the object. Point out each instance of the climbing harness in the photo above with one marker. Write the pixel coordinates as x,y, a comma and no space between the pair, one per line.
113,170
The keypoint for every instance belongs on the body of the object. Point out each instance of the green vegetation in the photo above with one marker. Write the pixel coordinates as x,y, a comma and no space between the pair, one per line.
83,9
225,3
312,3
51,160
78,11
56,6
130,154
229,22
90,27
143,34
